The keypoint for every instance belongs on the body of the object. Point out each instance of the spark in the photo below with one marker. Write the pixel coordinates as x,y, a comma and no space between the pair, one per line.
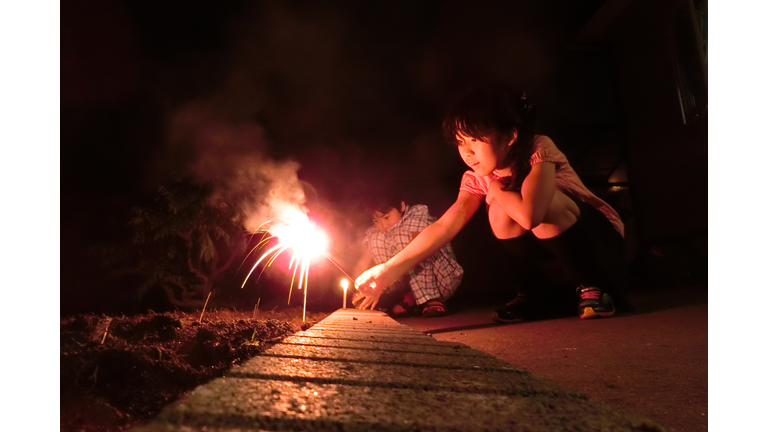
296,232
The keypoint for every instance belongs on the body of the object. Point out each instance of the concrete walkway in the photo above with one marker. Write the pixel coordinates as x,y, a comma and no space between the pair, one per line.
363,371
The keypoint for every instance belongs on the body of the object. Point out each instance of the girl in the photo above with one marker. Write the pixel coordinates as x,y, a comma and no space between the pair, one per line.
428,285
534,200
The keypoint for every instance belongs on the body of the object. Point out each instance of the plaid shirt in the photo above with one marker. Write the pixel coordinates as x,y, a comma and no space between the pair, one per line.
437,277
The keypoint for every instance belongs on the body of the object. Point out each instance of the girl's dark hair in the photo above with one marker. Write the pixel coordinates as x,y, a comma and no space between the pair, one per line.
494,113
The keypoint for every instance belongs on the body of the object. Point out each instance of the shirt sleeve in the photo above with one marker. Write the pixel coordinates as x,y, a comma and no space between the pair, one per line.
544,150
472,183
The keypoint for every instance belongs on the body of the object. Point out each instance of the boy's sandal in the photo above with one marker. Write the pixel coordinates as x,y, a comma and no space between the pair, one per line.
407,309
433,308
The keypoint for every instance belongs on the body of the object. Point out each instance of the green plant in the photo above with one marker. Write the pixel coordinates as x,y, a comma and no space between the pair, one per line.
186,242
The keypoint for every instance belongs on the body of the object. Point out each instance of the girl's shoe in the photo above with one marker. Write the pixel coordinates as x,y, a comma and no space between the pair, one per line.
521,308
594,303
433,308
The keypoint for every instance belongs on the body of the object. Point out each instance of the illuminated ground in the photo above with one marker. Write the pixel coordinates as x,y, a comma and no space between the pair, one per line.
652,362
361,371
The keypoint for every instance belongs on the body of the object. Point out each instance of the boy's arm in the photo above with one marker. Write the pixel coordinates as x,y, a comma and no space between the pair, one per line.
529,206
429,241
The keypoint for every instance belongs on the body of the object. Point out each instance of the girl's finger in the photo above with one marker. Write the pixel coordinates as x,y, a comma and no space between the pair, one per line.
365,303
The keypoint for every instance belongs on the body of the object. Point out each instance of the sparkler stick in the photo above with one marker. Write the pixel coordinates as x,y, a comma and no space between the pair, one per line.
256,308
200,320
304,313
340,269
106,330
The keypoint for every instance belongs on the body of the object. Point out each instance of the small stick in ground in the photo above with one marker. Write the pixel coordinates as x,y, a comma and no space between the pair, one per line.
200,320
106,330
256,308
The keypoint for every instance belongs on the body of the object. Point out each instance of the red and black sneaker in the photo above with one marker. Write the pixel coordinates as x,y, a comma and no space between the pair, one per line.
594,303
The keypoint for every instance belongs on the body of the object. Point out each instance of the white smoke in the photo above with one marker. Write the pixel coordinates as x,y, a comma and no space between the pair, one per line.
230,153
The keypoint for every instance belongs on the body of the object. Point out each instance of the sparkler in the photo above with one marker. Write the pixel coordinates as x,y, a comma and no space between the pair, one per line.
294,231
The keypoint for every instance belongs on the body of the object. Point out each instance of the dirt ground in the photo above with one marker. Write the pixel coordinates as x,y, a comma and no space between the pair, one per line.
119,371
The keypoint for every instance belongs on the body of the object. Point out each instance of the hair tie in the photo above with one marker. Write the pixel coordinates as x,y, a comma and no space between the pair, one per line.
527,106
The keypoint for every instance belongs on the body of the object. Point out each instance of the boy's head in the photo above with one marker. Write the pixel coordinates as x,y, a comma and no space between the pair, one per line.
386,209
386,219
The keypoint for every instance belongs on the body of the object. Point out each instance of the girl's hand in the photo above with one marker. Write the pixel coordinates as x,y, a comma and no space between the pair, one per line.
494,188
374,279
357,299
499,185
371,284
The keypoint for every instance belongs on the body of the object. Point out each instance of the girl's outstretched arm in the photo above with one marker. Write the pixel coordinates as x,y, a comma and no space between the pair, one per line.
529,206
365,261
429,241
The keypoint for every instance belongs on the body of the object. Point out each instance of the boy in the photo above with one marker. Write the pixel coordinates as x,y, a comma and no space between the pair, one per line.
428,285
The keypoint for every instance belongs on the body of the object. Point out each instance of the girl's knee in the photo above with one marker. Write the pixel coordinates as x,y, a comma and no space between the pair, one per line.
502,225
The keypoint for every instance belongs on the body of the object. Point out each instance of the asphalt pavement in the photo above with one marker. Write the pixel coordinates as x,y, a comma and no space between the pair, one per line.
651,362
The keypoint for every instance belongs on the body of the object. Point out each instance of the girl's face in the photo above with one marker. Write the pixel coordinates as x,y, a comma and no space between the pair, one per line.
385,221
482,156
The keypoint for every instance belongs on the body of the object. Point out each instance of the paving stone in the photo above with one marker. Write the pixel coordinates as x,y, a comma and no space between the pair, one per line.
503,381
380,321
403,337
416,342
366,323
447,349
383,331
402,358
359,316
255,404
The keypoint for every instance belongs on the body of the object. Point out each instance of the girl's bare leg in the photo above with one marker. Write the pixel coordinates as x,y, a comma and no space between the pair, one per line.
561,215
503,226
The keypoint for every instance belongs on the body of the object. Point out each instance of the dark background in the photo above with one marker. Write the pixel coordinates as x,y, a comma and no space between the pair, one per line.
354,92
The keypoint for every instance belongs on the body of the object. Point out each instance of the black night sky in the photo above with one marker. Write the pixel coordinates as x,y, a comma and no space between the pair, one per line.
350,95
354,92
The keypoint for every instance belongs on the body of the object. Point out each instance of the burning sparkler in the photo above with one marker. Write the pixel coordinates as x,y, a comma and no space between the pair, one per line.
294,231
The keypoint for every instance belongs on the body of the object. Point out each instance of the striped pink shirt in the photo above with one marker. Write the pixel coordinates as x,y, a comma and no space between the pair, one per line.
566,180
